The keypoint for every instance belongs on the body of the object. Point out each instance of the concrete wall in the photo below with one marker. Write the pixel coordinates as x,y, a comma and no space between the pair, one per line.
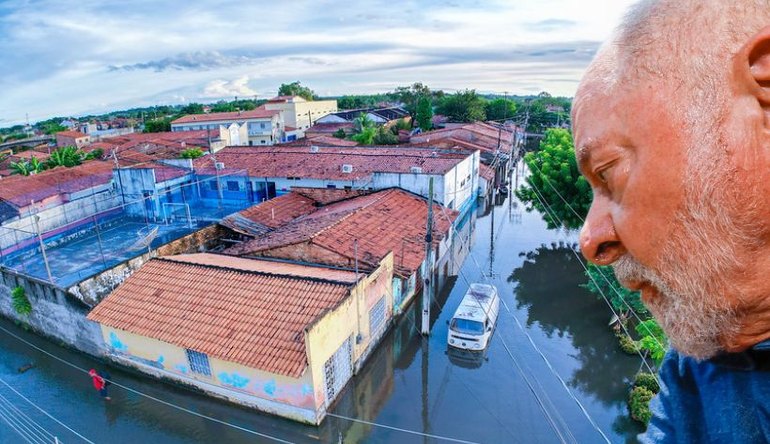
350,320
417,183
268,392
55,314
92,290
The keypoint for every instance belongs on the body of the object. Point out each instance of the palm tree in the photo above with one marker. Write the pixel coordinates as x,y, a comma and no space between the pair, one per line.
21,167
67,156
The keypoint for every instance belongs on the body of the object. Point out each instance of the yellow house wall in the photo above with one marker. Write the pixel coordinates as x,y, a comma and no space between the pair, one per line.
326,336
277,394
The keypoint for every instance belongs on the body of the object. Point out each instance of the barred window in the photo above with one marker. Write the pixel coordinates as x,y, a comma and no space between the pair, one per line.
199,362
377,317
233,185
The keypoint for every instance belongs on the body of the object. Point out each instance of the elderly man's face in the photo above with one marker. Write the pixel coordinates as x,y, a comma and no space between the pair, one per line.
668,212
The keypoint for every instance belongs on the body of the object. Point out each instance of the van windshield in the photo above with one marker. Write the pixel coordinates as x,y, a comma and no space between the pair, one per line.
467,326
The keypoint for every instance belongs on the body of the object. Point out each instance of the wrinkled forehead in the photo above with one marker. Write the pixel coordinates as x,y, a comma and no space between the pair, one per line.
602,76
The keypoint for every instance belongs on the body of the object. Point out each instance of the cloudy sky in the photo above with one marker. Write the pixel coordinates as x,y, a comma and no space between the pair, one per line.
77,57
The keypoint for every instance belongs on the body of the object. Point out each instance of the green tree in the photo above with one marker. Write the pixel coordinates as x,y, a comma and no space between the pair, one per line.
296,89
67,156
52,128
161,125
191,153
192,108
653,339
424,116
463,106
554,178
25,168
340,134
385,137
365,136
410,96
499,109
639,404
222,107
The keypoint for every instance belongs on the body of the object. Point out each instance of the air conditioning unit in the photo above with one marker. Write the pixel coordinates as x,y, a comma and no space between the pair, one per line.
347,168
219,165
416,170
313,148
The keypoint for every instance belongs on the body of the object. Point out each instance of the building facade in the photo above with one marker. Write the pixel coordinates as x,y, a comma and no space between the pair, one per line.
299,114
280,337
263,127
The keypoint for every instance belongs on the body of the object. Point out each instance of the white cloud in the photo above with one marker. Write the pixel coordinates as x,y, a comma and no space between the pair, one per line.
220,89
87,56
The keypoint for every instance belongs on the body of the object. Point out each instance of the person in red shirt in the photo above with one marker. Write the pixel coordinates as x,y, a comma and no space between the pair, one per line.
99,384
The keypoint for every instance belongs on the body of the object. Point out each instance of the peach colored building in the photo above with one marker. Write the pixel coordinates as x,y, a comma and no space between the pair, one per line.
72,138
281,337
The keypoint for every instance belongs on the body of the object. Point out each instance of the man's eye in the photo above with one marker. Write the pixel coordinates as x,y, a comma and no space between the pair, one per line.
602,175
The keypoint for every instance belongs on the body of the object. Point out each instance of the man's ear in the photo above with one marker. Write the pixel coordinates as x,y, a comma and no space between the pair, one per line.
755,55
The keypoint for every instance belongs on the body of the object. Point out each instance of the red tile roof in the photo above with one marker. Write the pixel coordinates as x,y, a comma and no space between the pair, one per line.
289,161
28,155
389,220
269,215
73,134
486,172
20,190
477,135
259,113
250,312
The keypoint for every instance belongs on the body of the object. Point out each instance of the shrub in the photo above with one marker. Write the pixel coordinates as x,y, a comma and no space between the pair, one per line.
648,381
627,344
20,302
340,134
639,404
191,153
385,137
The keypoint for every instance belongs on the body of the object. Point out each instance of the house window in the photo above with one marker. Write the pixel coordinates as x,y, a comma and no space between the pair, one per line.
262,125
262,142
331,186
233,185
213,185
199,362
377,317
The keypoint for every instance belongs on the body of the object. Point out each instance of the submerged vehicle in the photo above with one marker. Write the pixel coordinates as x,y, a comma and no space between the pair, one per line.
474,320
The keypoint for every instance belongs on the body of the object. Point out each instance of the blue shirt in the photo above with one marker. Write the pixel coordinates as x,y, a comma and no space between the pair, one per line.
725,399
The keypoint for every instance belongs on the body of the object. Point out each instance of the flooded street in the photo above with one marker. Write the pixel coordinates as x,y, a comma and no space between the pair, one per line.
514,394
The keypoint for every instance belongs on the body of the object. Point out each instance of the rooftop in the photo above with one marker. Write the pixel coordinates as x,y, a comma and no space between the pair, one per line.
21,190
74,134
326,163
381,222
259,113
276,212
246,311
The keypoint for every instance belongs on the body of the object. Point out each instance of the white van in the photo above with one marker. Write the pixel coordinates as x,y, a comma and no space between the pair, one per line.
474,320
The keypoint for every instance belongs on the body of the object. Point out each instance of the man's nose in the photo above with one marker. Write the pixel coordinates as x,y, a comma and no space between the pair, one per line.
598,240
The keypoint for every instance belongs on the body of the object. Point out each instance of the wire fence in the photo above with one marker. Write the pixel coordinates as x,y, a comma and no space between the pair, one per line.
70,226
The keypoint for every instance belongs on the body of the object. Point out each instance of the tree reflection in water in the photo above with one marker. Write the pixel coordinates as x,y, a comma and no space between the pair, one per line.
548,288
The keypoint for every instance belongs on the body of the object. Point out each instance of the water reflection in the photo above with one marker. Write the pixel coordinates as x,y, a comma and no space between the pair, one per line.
549,290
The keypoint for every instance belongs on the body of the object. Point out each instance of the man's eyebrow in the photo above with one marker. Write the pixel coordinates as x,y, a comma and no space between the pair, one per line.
584,152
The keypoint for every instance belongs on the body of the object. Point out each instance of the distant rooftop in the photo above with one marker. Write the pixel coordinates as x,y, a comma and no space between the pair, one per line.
326,162
259,113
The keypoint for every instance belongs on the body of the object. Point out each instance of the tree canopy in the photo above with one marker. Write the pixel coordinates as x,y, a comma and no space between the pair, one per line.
158,125
499,109
296,89
424,115
555,179
463,106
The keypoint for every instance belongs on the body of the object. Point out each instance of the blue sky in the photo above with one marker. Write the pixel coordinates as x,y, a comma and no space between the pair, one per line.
64,58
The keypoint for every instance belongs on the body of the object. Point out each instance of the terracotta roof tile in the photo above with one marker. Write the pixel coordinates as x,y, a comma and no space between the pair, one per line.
385,221
486,172
73,134
20,190
250,312
289,161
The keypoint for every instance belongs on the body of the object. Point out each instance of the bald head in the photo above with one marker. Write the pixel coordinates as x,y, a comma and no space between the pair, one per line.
686,39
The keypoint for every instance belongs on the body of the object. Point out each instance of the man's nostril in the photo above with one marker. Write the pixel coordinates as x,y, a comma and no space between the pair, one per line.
606,248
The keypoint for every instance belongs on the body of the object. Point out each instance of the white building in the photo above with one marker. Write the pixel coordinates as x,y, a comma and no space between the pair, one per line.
265,127
299,114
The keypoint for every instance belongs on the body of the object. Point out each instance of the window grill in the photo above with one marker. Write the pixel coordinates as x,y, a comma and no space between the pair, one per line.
199,362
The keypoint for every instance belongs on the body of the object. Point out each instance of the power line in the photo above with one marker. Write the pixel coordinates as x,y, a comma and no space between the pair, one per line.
23,416
137,392
29,433
585,268
411,432
606,279
46,413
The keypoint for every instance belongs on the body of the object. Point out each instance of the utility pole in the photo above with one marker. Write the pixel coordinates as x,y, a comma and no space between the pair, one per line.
428,274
